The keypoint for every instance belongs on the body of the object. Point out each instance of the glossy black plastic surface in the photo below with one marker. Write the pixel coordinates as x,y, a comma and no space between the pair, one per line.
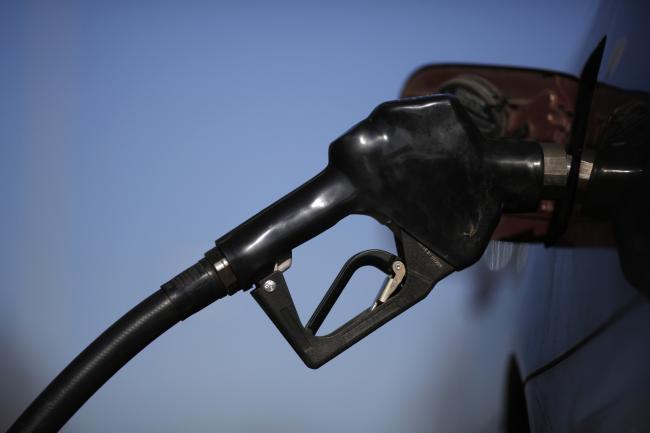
418,165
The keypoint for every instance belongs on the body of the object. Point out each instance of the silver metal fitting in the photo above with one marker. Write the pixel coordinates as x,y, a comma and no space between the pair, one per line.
391,284
556,165
226,275
283,264
269,286
586,167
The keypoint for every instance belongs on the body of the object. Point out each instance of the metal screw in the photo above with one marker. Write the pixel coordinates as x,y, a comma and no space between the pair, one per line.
269,286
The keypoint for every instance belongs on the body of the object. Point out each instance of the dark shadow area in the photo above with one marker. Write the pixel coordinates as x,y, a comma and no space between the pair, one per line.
17,386
516,415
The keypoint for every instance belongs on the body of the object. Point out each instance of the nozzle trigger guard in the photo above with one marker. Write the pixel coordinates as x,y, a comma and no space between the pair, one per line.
423,271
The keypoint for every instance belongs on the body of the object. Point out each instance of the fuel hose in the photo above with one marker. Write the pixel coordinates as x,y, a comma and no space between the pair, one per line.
184,295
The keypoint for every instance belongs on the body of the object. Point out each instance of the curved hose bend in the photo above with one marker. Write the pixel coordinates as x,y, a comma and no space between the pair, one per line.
187,293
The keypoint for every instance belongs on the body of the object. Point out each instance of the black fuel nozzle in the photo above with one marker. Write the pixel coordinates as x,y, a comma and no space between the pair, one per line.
418,166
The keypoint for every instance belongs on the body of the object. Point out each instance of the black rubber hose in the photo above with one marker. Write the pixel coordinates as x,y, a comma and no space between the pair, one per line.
97,363
187,293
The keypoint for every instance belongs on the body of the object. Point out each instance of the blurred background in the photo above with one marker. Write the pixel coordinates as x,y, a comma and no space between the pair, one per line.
133,134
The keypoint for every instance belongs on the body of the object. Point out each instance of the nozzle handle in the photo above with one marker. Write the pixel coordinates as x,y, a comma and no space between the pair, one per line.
272,294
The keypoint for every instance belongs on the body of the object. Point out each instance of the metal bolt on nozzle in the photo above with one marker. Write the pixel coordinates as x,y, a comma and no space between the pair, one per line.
269,286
